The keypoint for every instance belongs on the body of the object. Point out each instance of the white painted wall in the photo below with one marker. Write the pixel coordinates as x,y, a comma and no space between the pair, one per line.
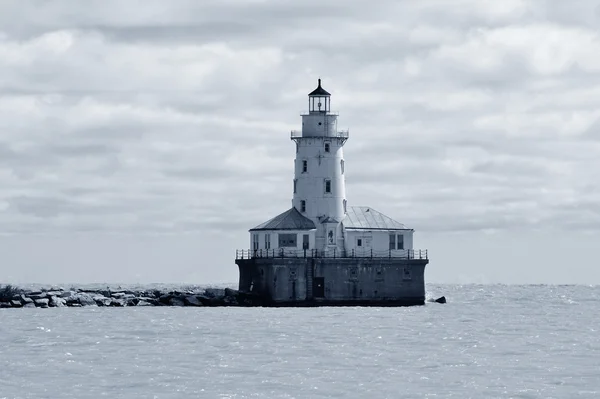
275,238
377,240
322,166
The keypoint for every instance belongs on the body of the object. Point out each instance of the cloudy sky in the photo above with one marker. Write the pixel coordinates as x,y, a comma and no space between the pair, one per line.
141,139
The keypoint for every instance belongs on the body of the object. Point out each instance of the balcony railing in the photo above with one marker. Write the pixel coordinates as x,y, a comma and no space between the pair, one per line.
331,253
297,134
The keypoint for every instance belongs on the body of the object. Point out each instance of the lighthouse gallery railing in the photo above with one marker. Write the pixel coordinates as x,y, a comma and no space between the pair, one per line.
331,253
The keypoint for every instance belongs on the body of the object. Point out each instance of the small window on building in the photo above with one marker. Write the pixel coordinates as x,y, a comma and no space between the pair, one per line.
342,165
326,147
296,148
295,184
359,242
302,206
327,186
267,241
255,241
345,202
400,241
287,240
393,241
304,166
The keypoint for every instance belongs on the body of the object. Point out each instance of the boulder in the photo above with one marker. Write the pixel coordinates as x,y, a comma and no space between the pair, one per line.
133,301
192,301
66,294
150,300
214,292
118,302
57,302
102,300
42,302
5,305
176,302
29,305
37,296
84,299
144,303
441,299
26,299
16,303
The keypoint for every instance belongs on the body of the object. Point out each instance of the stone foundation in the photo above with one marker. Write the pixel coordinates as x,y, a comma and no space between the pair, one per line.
333,282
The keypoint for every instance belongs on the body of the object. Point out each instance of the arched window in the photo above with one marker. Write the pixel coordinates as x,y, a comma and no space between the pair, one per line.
326,147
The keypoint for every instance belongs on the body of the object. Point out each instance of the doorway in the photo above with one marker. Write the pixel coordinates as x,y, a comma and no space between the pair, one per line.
319,287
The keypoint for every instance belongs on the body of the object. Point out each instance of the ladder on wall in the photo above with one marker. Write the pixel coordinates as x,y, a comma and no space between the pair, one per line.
310,274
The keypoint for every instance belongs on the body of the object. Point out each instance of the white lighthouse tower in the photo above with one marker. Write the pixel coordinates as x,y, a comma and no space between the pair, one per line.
319,183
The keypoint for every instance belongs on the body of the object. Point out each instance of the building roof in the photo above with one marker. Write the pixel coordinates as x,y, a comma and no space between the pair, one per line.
288,220
365,218
319,91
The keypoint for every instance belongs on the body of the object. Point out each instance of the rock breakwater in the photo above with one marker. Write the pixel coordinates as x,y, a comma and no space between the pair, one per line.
14,297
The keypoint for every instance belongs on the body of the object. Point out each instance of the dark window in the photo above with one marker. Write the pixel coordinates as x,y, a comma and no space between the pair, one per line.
305,242
304,166
345,202
267,241
327,186
295,184
400,241
392,241
342,165
359,242
287,240
326,147
302,206
255,241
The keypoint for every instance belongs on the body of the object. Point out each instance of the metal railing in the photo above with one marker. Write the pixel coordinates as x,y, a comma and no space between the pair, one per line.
331,253
343,134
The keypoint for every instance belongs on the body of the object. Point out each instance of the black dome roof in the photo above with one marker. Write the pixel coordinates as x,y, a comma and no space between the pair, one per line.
319,91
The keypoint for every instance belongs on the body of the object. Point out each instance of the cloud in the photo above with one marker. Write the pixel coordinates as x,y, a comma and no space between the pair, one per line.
153,117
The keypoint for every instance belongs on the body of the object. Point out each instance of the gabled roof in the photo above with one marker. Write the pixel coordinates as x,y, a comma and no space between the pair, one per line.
288,220
319,91
365,218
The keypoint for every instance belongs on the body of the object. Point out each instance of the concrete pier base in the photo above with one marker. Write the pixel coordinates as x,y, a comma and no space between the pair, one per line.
333,282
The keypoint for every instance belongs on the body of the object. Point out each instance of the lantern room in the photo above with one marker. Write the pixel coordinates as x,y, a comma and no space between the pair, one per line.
319,100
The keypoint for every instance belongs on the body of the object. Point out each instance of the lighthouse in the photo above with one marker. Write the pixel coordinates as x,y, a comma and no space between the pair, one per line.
322,251
319,183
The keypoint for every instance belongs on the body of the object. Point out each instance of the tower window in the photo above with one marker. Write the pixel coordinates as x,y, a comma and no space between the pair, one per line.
345,202
302,206
327,186
326,147
295,184
304,166
342,165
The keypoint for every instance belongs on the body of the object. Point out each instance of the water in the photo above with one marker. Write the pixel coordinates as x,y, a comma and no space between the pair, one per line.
487,342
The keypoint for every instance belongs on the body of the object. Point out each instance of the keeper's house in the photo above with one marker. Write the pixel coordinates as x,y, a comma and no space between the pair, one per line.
322,251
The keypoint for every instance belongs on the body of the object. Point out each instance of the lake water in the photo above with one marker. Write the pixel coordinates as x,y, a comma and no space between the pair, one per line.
488,341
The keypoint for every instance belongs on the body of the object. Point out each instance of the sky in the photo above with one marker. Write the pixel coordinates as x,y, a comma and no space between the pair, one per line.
141,139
